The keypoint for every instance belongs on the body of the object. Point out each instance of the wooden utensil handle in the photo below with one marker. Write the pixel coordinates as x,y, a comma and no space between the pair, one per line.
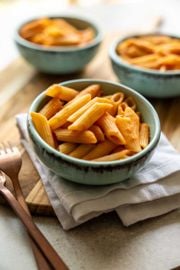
34,232
41,261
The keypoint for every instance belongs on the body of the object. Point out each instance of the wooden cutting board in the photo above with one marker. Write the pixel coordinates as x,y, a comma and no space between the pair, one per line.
20,84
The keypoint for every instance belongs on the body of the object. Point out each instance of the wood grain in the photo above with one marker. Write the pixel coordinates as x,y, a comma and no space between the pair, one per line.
20,84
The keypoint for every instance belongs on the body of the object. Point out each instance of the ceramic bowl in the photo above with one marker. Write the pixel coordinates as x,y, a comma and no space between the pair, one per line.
150,83
60,59
89,172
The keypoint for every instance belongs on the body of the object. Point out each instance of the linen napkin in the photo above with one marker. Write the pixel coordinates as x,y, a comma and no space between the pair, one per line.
152,191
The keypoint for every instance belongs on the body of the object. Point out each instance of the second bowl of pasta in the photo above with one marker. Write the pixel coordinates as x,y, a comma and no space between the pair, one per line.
92,131
58,44
148,63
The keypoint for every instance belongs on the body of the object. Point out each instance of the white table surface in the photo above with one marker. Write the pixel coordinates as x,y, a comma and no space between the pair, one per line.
102,243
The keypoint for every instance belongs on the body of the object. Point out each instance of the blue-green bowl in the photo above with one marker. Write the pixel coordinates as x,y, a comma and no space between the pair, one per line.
89,172
60,59
150,83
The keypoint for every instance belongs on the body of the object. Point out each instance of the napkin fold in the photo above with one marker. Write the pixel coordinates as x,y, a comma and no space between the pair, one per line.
152,191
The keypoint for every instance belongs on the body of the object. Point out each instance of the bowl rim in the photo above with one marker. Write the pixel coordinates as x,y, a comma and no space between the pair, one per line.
20,40
119,61
81,162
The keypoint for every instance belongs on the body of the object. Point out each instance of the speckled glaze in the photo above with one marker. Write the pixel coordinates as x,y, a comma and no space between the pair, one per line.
61,59
150,83
95,173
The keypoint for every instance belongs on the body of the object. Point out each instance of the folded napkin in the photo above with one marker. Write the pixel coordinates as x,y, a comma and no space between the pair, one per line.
152,191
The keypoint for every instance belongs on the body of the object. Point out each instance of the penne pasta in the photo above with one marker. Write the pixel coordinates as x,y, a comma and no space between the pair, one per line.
144,135
86,120
51,108
108,125
101,149
68,28
30,29
94,90
118,149
115,156
67,40
61,92
66,148
81,150
56,32
117,97
130,102
61,117
121,108
97,132
87,35
83,109
72,136
92,128
41,124
152,52
129,126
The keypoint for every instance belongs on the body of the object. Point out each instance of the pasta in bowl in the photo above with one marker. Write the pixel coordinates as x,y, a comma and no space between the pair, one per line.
149,63
93,132
58,44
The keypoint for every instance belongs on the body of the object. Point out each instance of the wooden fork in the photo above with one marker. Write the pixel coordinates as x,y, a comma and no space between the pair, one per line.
10,164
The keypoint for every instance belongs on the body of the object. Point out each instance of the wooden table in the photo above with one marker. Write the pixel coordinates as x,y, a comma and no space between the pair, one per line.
20,84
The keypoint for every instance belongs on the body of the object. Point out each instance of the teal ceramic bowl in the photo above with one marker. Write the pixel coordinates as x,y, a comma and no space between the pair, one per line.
60,59
89,172
150,83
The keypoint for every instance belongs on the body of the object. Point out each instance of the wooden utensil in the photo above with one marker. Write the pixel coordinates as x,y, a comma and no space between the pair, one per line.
10,163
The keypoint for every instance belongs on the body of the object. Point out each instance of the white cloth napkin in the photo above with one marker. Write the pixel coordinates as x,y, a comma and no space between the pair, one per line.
152,191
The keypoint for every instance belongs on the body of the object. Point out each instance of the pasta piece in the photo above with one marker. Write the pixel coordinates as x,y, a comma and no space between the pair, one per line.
66,148
87,35
94,90
163,68
30,29
61,92
41,38
117,97
54,31
129,126
115,156
65,135
87,119
81,150
66,125
157,39
83,109
130,102
51,108
68,40
101,149
118,149
97,132
63,24
144,135
108,125
61,117
41,124
144,59
121,108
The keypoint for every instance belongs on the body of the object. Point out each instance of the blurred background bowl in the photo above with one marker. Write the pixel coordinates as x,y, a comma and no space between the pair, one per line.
148,82
89,172
60,59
